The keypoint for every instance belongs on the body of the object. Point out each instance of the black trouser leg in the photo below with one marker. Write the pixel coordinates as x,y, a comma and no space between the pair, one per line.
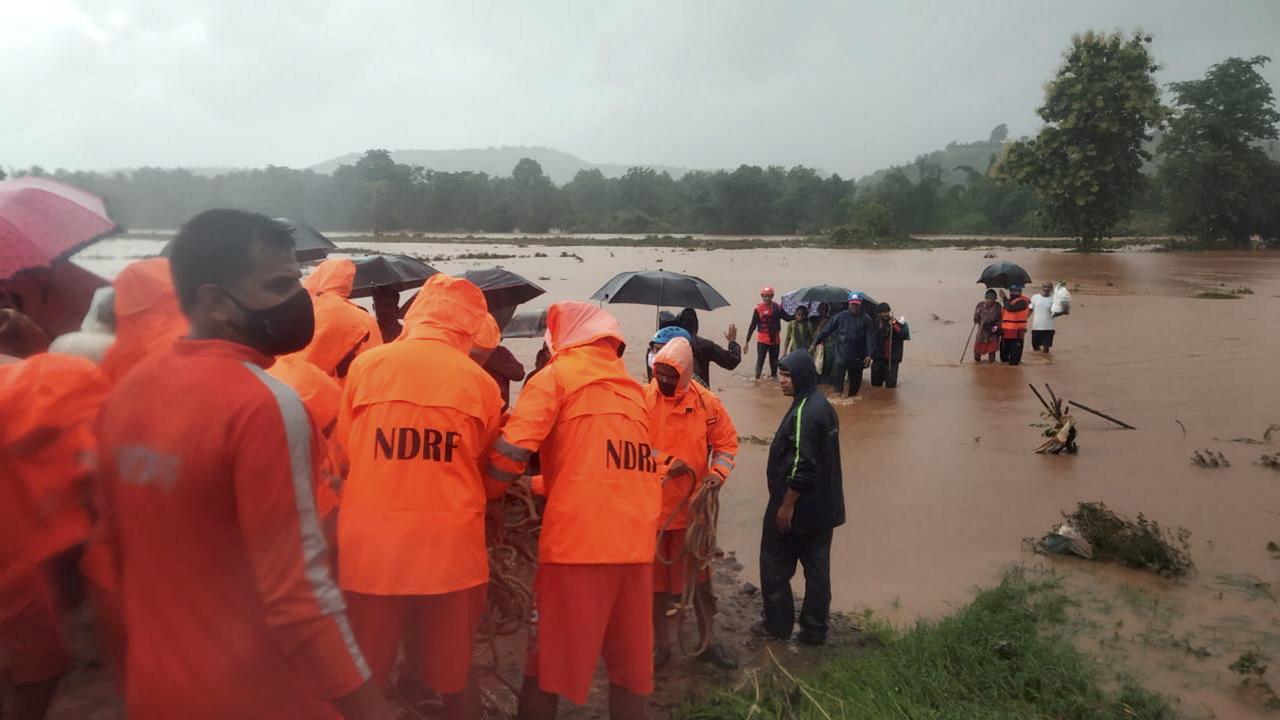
855,375
773,360
1014,350
891,375
761,351
778,558
877,373
815,557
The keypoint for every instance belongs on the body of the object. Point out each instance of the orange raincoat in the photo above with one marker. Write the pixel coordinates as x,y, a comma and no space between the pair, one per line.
208,469
341,325
693,426
416,418
320,394
148,317
586,418
50,402
47,446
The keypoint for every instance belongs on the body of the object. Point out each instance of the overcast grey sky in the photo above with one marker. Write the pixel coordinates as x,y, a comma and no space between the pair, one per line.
844,86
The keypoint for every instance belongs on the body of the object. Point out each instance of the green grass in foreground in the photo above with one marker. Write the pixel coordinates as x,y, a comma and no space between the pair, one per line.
1008,654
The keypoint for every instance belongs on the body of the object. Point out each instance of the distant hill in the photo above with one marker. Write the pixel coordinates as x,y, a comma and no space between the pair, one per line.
498,161
977,155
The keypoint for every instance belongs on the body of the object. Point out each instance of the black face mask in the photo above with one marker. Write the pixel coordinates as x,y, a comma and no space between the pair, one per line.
283,328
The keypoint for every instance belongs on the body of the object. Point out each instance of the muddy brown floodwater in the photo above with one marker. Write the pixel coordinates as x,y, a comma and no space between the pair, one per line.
940,480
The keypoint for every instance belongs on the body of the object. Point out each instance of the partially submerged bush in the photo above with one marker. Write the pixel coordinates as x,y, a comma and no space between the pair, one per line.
1140,543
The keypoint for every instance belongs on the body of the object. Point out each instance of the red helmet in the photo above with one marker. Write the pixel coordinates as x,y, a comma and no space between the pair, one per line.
766,291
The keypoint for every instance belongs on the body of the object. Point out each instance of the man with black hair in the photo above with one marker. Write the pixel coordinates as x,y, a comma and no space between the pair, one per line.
886,353
806,504
706,351
208,468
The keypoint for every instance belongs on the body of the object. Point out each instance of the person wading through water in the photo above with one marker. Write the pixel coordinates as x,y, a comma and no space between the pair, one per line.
593,591
886,353
800,331
208,469
690,423
706,351
986,315
855,333
806,503
767,317
1013,324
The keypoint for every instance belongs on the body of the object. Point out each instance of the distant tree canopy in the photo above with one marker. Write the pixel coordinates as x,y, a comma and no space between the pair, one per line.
1085,174
378,194
1086,162
1219,181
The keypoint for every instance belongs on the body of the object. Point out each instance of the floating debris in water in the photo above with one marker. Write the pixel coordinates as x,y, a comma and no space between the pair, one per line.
1062,433
1210,459
1139,543
755,439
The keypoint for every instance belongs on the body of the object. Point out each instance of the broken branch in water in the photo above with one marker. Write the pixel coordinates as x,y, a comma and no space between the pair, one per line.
1062,436
1104,416
1184,427
1040,397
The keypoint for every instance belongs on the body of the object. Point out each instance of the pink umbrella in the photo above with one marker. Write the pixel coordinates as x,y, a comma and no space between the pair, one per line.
42,220
55,297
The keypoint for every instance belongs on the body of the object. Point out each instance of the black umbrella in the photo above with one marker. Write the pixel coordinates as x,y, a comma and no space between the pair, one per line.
814,295
398,272
661,288
308,243
503,288
1003,274
526,324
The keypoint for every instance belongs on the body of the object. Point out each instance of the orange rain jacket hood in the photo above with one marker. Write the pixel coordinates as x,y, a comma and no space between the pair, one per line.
488,337
416,418
334,276
47,445
693,426
586,418
148,317
341,325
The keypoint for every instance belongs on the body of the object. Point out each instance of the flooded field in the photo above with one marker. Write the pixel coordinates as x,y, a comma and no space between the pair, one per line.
940,479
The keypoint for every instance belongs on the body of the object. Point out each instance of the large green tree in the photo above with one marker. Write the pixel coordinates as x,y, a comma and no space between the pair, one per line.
1213,169
1086,162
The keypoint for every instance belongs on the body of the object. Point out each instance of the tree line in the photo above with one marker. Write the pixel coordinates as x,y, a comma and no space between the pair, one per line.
1112,158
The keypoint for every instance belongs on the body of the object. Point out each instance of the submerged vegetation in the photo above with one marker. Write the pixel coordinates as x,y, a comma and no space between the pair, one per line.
1139,543
1008,654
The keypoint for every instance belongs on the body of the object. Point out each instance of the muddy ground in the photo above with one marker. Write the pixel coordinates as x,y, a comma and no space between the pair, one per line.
941,483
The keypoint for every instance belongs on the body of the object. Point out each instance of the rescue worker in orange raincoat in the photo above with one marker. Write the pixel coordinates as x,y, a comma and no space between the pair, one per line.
320,395
337,318
208,468
47,444
148,318
417,418
687,421
593,593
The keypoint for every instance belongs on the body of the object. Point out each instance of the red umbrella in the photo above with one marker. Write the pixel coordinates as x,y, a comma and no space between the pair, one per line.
42,221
